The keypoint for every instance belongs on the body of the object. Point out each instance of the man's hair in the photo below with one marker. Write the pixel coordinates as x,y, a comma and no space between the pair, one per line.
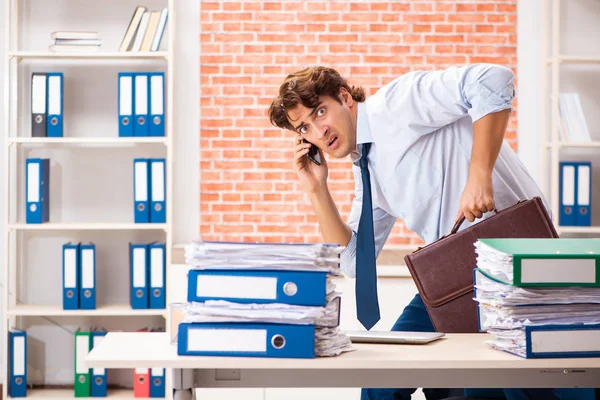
304,87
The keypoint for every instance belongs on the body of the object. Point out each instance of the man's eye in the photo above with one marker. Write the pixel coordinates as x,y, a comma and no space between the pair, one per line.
321,111
303,129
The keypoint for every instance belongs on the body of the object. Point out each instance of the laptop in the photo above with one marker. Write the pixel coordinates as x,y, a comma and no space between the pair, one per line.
393,337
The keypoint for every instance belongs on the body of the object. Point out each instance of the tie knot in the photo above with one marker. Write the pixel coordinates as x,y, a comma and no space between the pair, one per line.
363,157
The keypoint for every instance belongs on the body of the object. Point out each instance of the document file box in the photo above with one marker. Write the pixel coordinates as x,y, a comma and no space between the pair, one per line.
17,359
584,193
38,190
82,374
141,101
562,341
246,340
567,183
126,98
158,212
289,287
139,276
443,270
141,192
157,275
55,104
141,382
157,382
71,260
157,104
38,104
87,262
98,374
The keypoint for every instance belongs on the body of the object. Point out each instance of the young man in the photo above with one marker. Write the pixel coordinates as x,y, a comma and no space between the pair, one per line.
427,148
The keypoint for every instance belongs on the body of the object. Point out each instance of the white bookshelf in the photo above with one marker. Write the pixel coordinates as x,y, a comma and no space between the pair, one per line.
20,45
555,57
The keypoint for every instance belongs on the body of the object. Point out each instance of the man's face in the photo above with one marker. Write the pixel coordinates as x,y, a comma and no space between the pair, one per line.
330,126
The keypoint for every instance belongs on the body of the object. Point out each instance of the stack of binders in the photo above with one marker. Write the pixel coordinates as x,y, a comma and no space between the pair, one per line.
141,104
47,104
540,298
262,300
79,276
149,190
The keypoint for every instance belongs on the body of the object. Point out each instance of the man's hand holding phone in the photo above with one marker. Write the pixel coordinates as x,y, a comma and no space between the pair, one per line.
312,175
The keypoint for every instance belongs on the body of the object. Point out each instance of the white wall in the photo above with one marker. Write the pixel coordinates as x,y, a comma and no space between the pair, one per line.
94,184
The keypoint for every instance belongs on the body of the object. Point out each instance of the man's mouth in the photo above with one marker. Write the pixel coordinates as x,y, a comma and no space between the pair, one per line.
332,142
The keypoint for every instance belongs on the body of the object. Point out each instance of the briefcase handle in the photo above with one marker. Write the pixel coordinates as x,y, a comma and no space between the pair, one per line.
460,222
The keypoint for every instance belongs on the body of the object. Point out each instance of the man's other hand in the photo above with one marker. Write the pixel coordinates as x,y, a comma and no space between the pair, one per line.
477,198
312,176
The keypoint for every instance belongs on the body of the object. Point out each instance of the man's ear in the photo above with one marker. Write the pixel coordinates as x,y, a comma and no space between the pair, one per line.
345,96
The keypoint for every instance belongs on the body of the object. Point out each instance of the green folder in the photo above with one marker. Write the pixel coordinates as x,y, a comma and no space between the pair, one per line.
83,384
542,262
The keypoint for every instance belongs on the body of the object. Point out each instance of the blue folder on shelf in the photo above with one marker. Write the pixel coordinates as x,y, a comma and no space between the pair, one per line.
139,276
71,276
562,341
126,99
17,360
157,104
141,102
87,275
141,190
99,386
157,270
584,194
37,190
242,286
246,340
55,104
157,382
158,211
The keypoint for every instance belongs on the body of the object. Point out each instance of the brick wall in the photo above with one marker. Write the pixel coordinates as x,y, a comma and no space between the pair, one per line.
248,189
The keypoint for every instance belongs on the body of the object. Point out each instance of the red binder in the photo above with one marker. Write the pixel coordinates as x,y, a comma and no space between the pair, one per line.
141,382
443,270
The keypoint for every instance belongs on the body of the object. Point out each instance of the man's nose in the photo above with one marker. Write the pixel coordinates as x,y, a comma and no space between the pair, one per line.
323,131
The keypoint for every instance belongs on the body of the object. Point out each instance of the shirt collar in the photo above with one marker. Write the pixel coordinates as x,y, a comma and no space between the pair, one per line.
363,131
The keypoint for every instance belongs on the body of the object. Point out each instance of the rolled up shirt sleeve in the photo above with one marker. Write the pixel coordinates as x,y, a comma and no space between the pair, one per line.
491,90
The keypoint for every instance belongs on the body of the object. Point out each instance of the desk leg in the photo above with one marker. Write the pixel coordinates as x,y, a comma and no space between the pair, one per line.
183,384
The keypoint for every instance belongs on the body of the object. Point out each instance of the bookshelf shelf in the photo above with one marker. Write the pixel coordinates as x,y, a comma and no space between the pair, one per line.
575,144
61,394
97,55
97,226
112,310
564,59
578,229
112,141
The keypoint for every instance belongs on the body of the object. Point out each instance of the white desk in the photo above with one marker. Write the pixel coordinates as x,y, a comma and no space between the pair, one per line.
459,361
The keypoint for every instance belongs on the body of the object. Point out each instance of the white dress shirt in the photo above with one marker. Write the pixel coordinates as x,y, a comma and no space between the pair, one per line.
421,129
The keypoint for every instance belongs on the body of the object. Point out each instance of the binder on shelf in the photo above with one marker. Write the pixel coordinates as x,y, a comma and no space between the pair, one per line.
38,104
157,104
17,360
55,104
243,286
98,374
126,99
567,192
141,192
246,340
141,382
82,374
71,276
157,382
87,263
157,175
37,190
584,193
139,276
157,275
141,101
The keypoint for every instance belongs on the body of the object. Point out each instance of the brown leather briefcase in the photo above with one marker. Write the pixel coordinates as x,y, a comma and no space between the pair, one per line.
443,270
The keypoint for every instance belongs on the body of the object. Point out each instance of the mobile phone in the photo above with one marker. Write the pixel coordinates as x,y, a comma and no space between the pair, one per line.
313,153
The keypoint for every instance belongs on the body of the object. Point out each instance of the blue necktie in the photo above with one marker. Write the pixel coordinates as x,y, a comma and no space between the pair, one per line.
367,305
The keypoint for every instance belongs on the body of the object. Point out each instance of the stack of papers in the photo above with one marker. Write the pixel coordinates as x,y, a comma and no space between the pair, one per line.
268,265
507,311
